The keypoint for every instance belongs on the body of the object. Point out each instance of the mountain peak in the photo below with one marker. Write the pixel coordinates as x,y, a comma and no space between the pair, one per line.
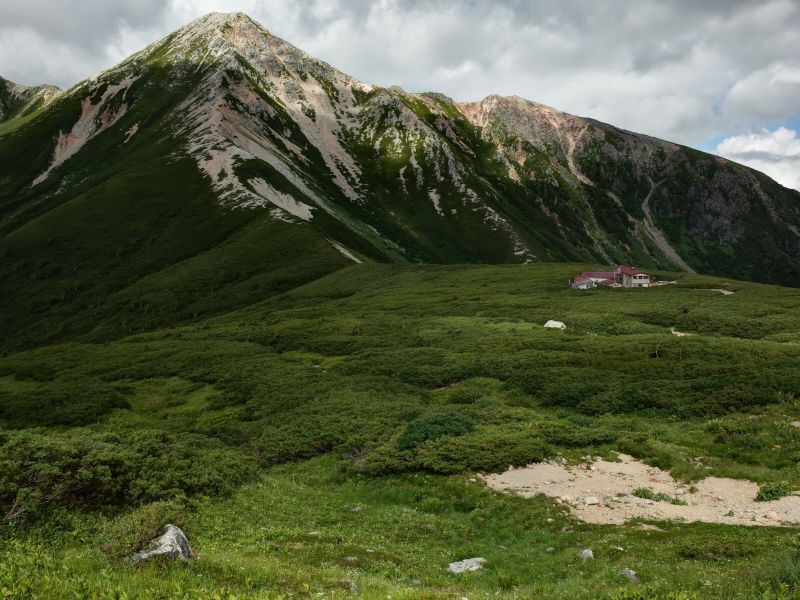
227,26
221,19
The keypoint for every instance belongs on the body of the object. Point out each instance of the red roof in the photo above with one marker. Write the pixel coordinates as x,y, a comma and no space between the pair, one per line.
630,271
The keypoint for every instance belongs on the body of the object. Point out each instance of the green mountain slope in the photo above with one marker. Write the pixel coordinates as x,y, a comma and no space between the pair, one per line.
221,165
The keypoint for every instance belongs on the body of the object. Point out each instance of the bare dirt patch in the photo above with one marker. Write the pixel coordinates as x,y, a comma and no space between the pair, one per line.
601,491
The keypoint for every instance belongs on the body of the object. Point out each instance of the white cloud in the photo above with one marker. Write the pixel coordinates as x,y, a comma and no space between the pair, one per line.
776,153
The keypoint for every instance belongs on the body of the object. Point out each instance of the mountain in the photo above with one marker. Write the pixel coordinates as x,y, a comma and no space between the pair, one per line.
17,101
221,165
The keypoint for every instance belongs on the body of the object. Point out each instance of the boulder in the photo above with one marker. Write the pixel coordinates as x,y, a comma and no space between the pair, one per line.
586,554
591,501
466,566
555,325
630,575
171,544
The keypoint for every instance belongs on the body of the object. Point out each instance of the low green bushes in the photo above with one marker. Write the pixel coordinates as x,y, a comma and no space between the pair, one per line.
773,491
82,467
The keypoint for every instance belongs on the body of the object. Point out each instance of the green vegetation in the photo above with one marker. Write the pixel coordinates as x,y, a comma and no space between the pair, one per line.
773,491
316,426
649,494
386,388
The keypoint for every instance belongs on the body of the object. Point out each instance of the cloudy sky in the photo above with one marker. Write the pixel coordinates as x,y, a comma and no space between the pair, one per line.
719,75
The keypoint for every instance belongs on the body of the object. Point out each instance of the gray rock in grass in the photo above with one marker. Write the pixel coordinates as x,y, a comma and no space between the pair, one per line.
171,544
466,566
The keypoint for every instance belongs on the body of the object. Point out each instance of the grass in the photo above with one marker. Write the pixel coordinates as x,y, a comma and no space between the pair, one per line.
386,388
649,494
289,533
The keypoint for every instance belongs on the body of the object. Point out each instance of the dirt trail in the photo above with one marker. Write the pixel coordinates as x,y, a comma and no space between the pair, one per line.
601,492
656,234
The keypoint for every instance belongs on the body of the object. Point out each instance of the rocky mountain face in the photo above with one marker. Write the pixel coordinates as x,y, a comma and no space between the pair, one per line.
221,164
17,101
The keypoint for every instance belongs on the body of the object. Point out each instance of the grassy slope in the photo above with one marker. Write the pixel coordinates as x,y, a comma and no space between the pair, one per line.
399,371
138,244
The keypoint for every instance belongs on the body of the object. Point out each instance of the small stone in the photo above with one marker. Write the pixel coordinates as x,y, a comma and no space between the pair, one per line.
356,509
350,559
591,501
351,585
586,553
550,549
772,516
315,534
417,582
566,498
468,565
630,575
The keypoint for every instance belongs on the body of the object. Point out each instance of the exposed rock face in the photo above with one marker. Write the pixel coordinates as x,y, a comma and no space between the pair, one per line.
19,100
469,565
171,544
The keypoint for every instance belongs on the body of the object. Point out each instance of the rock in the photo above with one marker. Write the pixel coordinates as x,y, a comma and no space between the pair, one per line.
468,565
591,501
550,549
772,516
171,544
315,534
630,575
566,498
586,553
351,585
417,582
356,509
350,560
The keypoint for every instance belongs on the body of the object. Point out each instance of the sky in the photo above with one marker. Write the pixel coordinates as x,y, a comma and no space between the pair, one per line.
719,75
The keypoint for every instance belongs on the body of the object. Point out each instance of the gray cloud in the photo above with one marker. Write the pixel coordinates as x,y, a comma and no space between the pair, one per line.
686,70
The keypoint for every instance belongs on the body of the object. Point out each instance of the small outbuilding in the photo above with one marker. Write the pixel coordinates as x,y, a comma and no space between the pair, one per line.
582,282
555,325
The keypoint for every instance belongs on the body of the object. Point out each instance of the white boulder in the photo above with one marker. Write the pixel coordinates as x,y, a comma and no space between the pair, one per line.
555,325
172,544
466,566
